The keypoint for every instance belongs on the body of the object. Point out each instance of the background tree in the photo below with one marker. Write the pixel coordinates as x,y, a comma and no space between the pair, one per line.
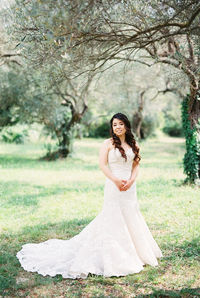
13,87
169,33
7,53
138,91
48,97
88,34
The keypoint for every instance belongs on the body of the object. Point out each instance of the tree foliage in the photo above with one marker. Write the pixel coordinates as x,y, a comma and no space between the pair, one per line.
51,97
85,35
13,88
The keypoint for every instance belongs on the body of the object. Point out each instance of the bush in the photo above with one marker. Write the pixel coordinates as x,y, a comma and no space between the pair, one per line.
100,131
173,127
15,134
172,121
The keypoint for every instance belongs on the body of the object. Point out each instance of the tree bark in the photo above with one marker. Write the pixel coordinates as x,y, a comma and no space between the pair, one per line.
194,110
191,117
194,117
63,135
64,145
138,116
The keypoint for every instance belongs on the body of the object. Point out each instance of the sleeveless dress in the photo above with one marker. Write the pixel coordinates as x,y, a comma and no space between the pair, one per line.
117,242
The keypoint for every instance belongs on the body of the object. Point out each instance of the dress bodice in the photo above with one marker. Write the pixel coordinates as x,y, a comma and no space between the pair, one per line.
118,165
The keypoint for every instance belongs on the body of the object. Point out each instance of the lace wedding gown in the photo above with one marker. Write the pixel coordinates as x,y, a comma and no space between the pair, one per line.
116,242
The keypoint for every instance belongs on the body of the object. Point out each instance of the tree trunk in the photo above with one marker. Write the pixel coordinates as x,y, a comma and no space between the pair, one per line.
138,116
194,117
65,135
191,118
64,145
137,123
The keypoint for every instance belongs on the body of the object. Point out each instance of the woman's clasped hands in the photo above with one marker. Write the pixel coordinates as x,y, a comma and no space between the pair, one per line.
123,185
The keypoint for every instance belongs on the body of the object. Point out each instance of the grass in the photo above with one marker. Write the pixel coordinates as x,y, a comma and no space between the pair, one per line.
41,200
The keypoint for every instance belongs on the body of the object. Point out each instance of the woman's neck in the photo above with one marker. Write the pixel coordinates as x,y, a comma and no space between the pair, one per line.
122,139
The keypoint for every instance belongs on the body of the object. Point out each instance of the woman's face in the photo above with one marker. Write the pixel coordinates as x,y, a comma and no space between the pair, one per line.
118,127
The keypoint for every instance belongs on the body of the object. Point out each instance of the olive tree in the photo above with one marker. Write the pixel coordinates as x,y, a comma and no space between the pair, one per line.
88,34
52,97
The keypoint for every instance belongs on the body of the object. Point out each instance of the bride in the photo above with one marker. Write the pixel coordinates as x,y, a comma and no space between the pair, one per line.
117,241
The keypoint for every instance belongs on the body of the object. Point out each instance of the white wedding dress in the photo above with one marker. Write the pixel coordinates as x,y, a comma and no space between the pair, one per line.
116,242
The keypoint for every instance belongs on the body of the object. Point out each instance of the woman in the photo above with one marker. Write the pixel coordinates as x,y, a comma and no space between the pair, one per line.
115,243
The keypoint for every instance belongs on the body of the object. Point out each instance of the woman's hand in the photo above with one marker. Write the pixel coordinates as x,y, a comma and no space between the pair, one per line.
126,184
119,183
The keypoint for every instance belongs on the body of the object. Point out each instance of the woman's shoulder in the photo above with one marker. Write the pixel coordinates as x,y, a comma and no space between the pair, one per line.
108,143
136,144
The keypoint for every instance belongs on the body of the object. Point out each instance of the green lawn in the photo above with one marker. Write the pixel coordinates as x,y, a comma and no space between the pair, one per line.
41,200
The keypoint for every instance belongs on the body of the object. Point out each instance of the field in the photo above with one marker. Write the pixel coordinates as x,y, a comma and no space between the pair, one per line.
41,200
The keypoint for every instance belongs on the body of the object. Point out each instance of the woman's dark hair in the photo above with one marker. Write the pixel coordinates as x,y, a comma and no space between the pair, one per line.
129,138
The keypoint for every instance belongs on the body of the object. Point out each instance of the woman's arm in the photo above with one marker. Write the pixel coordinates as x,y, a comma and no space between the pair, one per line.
135,170
103,164
134,173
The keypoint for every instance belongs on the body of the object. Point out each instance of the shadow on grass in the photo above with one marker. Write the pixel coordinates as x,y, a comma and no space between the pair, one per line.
32,193
20,162
169,145
160,184
186,249
10,244
13,197
11,161
184,292
10,267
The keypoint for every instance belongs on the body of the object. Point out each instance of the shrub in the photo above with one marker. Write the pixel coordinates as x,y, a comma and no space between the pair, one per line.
15,134
173,128
99,131
172,121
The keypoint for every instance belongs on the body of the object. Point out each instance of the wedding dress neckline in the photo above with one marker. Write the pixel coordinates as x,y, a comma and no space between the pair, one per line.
118,149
